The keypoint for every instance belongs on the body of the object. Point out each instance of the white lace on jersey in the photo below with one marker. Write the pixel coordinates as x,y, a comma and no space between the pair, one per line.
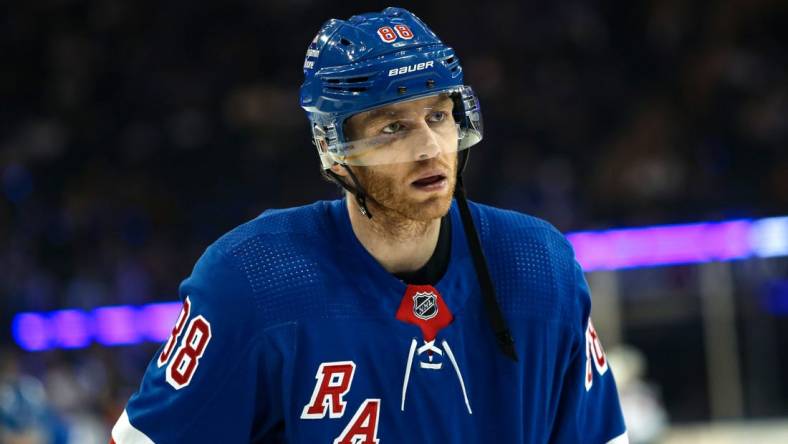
429,346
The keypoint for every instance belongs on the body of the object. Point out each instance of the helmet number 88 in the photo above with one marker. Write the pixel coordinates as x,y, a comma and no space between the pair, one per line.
388,35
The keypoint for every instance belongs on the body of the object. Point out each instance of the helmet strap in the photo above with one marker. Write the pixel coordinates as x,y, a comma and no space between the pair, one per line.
503,334
356,189
461,162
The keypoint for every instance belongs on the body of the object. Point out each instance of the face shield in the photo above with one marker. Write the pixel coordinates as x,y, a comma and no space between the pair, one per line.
416,129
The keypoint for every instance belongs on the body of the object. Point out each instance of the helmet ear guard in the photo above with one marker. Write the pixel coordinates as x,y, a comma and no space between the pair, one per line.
324,137
468,117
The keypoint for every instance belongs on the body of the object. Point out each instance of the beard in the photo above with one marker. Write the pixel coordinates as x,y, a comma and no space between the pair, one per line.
392,196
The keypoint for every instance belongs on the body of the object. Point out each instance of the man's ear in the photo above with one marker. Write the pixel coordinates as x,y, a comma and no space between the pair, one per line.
339,170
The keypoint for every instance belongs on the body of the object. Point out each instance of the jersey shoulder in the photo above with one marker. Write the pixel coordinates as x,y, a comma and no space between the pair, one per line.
277,260
532,263
292,224
500,227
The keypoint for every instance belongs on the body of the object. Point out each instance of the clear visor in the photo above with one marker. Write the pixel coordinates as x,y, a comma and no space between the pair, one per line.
409,131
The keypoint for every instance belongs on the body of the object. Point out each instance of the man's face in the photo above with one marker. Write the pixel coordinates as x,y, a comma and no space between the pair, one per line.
423,133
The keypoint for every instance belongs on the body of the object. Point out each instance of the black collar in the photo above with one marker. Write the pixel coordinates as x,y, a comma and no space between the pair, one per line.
436,266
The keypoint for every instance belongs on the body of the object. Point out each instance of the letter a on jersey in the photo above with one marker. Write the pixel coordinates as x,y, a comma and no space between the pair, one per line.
333,382
363,428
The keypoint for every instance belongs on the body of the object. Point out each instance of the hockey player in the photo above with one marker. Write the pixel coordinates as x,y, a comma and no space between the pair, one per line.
398,314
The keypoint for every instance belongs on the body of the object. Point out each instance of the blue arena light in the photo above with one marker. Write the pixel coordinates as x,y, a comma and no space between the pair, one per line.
118,325
70,328
662,245
769,237
31,331
156,320
596,250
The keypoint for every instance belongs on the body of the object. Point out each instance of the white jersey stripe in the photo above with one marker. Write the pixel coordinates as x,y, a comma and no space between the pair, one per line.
125,433
620,439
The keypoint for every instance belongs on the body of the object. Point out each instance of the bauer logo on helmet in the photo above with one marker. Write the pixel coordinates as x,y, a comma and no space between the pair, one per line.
411,68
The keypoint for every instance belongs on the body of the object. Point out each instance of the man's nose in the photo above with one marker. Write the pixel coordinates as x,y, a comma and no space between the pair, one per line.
427,144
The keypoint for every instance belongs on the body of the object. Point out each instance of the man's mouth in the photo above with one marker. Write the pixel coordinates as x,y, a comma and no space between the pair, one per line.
431,182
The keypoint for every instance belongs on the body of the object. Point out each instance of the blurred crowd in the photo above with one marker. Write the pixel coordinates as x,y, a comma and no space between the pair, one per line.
132,134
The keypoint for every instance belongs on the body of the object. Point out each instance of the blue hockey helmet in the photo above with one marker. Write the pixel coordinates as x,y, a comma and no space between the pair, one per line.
376,59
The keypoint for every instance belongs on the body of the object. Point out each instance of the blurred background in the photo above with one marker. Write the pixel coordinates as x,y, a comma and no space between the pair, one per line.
134,133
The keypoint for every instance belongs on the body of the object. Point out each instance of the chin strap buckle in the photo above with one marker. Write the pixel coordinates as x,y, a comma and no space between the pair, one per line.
362,204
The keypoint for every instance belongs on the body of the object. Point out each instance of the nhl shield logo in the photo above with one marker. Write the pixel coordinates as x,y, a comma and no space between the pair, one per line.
424,305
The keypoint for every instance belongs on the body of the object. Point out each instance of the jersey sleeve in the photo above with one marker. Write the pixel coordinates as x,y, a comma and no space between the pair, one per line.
212,380
589,408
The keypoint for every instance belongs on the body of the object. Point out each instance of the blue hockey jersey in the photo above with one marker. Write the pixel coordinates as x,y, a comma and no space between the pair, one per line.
292,332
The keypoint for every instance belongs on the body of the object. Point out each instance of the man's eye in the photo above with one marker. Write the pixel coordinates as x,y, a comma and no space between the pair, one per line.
392,128
437,116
